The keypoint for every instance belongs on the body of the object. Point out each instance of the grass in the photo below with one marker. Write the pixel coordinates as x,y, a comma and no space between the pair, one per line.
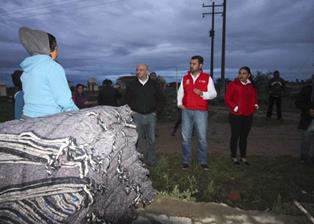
270,183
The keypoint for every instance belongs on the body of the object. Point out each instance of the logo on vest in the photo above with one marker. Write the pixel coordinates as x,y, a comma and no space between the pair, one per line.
187,82
202,81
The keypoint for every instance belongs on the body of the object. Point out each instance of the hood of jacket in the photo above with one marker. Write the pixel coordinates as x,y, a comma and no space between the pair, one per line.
34,41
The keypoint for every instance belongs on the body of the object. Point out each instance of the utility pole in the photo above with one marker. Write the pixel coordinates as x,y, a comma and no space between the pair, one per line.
223,49
212,35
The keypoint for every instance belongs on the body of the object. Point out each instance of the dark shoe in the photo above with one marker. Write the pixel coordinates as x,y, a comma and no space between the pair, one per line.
185,166
235,161
243,160
204,166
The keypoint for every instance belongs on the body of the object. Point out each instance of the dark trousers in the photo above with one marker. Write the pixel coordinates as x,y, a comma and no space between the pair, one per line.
178,122
271,101
240,128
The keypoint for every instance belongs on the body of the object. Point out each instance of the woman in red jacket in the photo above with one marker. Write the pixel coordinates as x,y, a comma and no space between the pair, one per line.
241,99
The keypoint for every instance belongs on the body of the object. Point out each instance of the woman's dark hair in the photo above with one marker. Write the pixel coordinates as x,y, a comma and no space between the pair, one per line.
52,42
16,79
79,85
246,68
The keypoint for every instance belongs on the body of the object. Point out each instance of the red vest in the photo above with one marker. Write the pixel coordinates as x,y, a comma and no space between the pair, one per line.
190,99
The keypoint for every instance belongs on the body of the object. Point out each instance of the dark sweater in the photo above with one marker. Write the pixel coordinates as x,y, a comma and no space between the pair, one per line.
276,87
144,99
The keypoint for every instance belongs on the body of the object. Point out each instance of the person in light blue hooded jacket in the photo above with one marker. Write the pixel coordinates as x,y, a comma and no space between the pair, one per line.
45,87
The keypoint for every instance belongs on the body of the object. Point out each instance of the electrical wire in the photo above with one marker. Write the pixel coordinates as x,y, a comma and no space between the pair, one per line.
9,17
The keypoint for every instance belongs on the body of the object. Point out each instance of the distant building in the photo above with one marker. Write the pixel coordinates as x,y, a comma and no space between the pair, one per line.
92,85
3,89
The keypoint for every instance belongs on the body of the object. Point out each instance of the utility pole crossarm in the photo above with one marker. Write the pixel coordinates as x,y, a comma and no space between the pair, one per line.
212,6
210,13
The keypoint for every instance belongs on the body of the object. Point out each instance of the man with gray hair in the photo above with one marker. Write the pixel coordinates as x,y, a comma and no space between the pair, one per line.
144,97
305,102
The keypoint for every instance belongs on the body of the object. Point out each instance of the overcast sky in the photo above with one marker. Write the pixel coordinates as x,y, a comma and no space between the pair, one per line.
107,38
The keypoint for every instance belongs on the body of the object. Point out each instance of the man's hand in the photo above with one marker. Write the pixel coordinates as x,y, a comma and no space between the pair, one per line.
311,112
198,92
181,107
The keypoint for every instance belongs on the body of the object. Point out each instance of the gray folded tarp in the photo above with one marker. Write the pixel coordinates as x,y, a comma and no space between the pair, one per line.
76,167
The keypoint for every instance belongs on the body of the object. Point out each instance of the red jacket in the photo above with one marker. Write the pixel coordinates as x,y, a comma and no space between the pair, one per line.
243,96
190,99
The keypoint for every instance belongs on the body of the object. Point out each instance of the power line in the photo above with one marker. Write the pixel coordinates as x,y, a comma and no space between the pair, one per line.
45,6
72,8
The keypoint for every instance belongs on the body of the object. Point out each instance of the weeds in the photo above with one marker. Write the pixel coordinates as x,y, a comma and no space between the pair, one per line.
268,184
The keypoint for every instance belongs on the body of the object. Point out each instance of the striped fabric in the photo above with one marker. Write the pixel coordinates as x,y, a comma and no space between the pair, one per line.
85,172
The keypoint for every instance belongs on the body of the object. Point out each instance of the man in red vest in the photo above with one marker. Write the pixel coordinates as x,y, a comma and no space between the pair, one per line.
195,90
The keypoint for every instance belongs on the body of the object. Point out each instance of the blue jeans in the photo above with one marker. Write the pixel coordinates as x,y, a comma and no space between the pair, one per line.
198,120
145,126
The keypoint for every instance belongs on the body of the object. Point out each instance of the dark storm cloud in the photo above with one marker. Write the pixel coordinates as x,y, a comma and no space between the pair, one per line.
98,38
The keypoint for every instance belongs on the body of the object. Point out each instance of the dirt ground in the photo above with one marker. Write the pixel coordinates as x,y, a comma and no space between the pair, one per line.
267,137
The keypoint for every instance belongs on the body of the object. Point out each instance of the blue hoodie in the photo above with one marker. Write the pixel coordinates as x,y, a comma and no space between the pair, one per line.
45,87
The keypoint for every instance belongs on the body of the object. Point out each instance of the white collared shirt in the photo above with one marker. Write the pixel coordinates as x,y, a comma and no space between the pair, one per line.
143,82
208,95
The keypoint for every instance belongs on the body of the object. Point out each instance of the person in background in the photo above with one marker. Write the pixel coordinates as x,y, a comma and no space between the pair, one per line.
305,102
18,96
195,90
79,96
178,121
144,97
177,124
108,95
45,87
276,88
153,76
241,99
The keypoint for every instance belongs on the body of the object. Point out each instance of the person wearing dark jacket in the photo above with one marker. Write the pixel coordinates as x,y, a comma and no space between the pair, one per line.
144,97
305,102
276,87
108,95
241,100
